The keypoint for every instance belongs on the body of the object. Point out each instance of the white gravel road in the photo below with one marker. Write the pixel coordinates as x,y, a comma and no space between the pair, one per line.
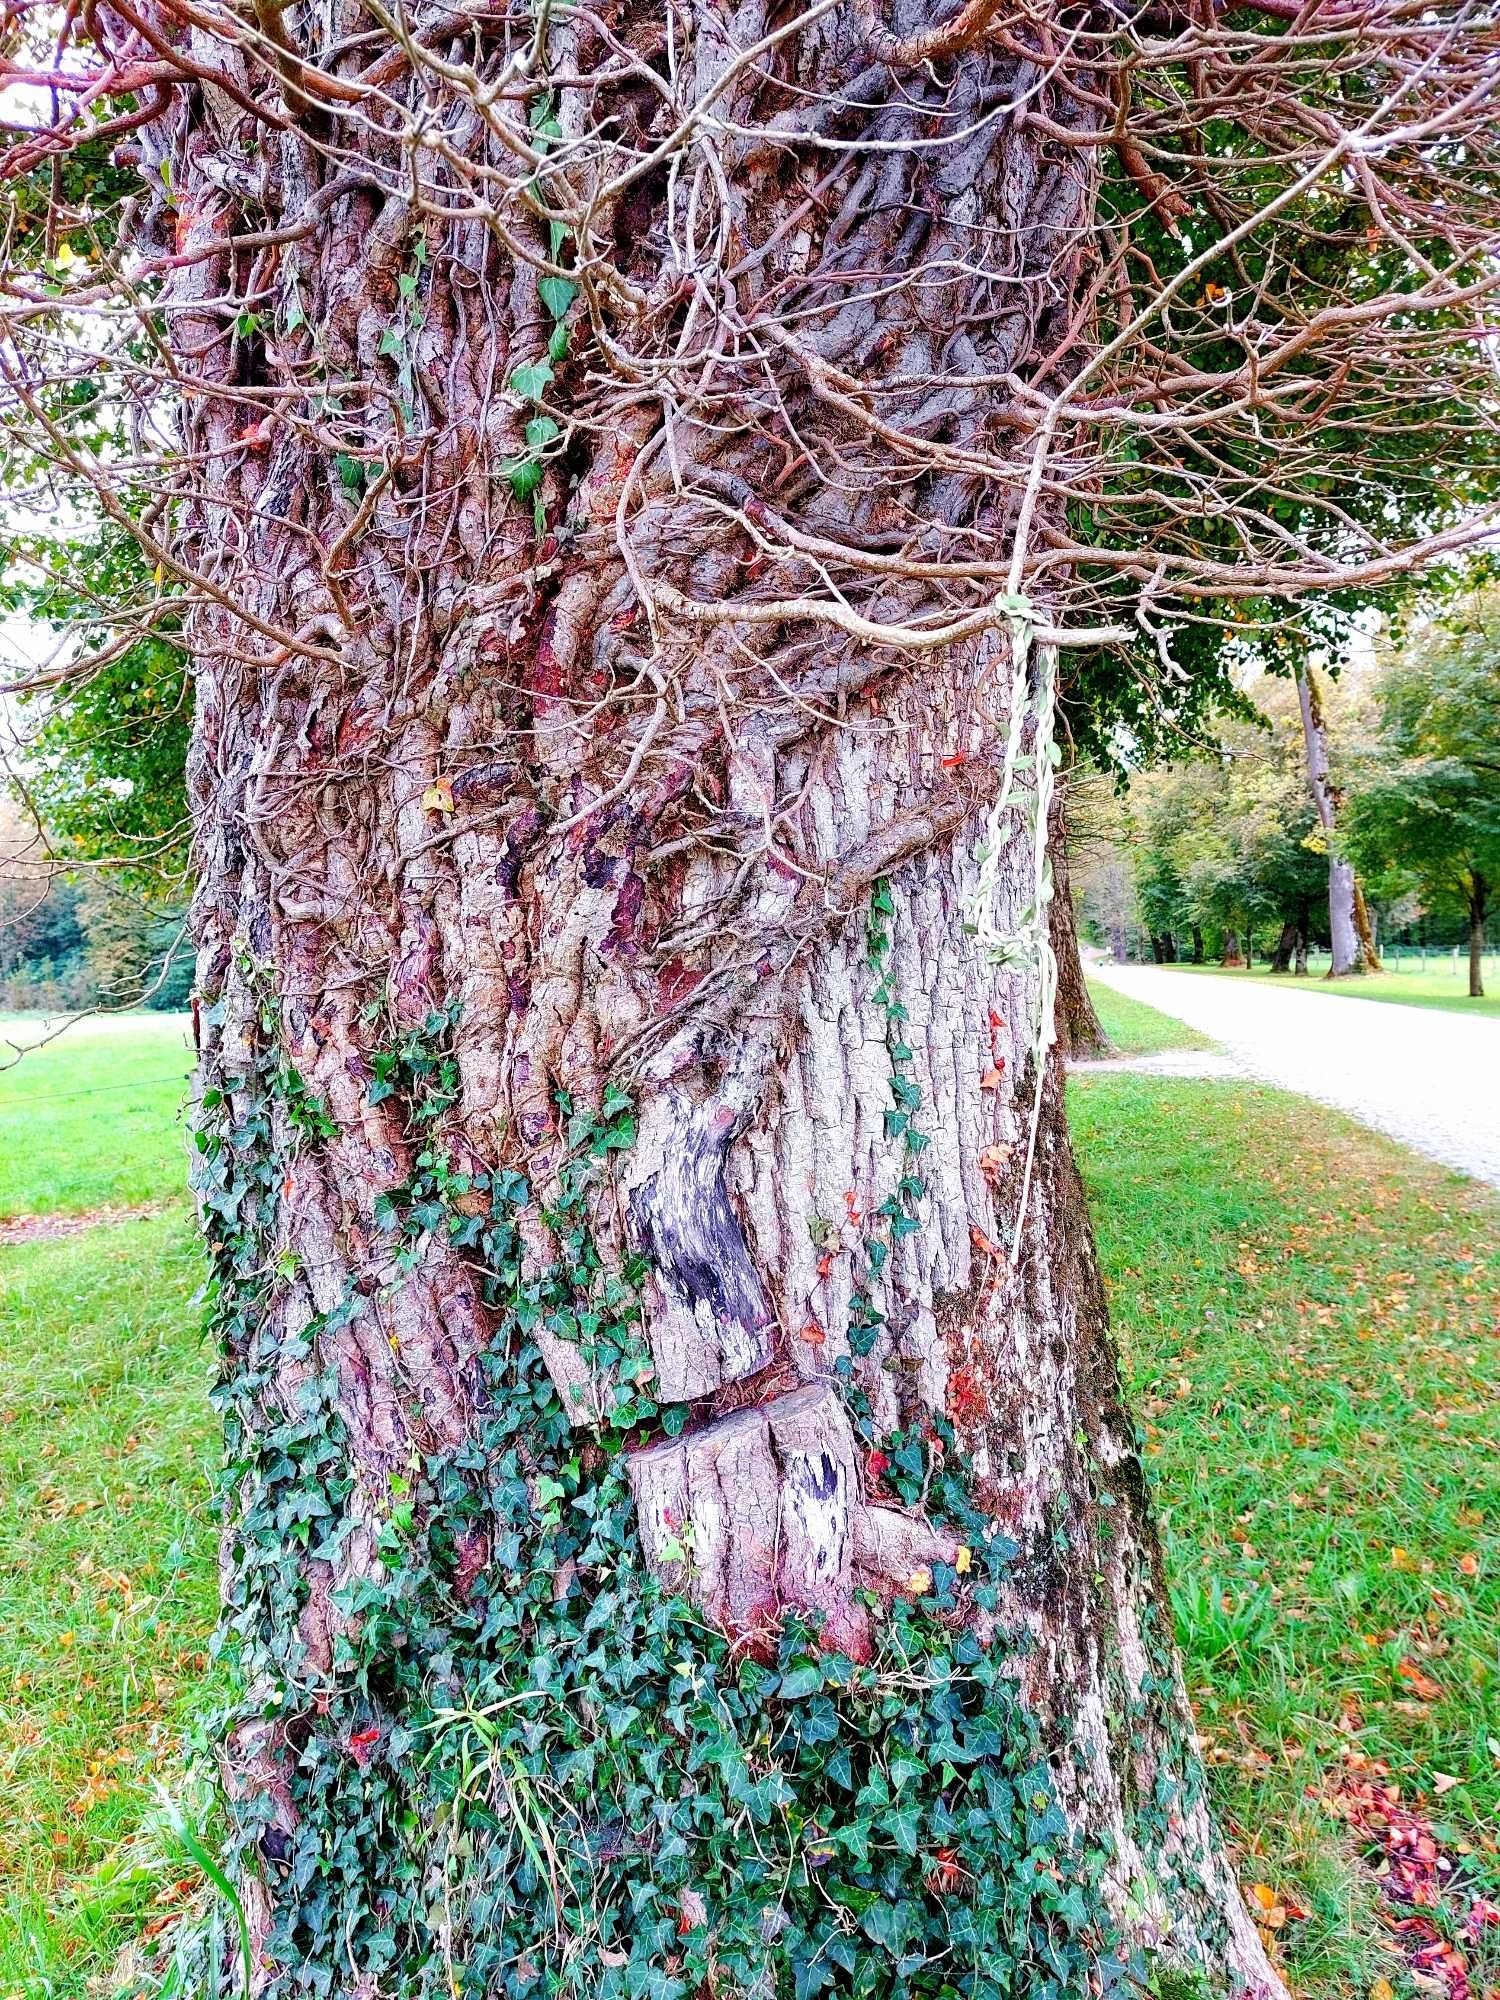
1427,1077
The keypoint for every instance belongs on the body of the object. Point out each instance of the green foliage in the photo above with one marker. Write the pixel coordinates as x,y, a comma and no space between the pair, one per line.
529,1771
1373,467
97,1352
1229,841
106,772
531,381
1425,805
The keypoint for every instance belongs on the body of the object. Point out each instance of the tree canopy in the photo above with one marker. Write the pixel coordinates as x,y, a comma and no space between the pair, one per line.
1424,812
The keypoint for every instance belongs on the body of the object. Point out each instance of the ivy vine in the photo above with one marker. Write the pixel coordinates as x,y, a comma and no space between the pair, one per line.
529,1771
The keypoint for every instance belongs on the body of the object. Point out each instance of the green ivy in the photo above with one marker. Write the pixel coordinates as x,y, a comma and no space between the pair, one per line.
531,381
529,1771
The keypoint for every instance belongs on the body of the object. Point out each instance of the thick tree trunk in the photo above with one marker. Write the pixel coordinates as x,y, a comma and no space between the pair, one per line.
1478,909
1232,955
1198,953
1078,1032
1352,942
1286,945
643,1221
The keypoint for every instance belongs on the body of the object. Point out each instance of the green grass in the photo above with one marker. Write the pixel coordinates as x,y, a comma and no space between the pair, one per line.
1309,1324
1308,1320
92,1116
1408,984
1138,1030
107,1581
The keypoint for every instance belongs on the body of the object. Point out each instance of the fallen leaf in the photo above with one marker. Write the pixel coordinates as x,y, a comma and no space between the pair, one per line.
813,1334
438,797
963,1562
1469,1564
1382,1990
694,1912
919,1582
1422,1685
1442,1782
993,1076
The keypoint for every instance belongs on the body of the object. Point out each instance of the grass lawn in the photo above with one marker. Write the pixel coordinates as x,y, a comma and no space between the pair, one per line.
1409,984
1310,1325
1138,1030
1310,1321
107,1579
91,1117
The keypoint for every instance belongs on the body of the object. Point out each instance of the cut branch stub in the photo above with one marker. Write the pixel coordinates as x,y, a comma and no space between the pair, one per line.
760,1514
708,1319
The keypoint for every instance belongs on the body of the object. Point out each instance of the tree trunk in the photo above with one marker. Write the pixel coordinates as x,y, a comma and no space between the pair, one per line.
1351,940
1478,909
1080,1038
1197,945
1286,944
647,1251
1304,921
1232,955
1365,930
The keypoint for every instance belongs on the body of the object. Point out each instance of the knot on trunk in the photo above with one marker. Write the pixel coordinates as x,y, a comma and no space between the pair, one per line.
761,1513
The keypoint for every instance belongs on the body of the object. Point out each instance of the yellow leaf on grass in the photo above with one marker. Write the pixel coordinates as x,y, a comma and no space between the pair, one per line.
1270,1911
1382,1990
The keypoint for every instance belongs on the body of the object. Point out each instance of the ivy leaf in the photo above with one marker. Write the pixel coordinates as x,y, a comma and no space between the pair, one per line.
799,1682
531,381
524,474
557,294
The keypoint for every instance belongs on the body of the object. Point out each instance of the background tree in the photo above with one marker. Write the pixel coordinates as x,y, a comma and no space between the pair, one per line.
1427,804
631,478
1351,940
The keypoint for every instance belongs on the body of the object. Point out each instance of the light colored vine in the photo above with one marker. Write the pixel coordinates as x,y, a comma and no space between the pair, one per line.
1027,947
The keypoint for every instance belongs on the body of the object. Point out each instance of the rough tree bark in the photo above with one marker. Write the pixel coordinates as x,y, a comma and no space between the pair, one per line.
1351,940
1479,893
1079,1033
511,831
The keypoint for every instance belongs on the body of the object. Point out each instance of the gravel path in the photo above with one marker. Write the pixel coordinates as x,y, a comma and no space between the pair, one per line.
1428,1078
